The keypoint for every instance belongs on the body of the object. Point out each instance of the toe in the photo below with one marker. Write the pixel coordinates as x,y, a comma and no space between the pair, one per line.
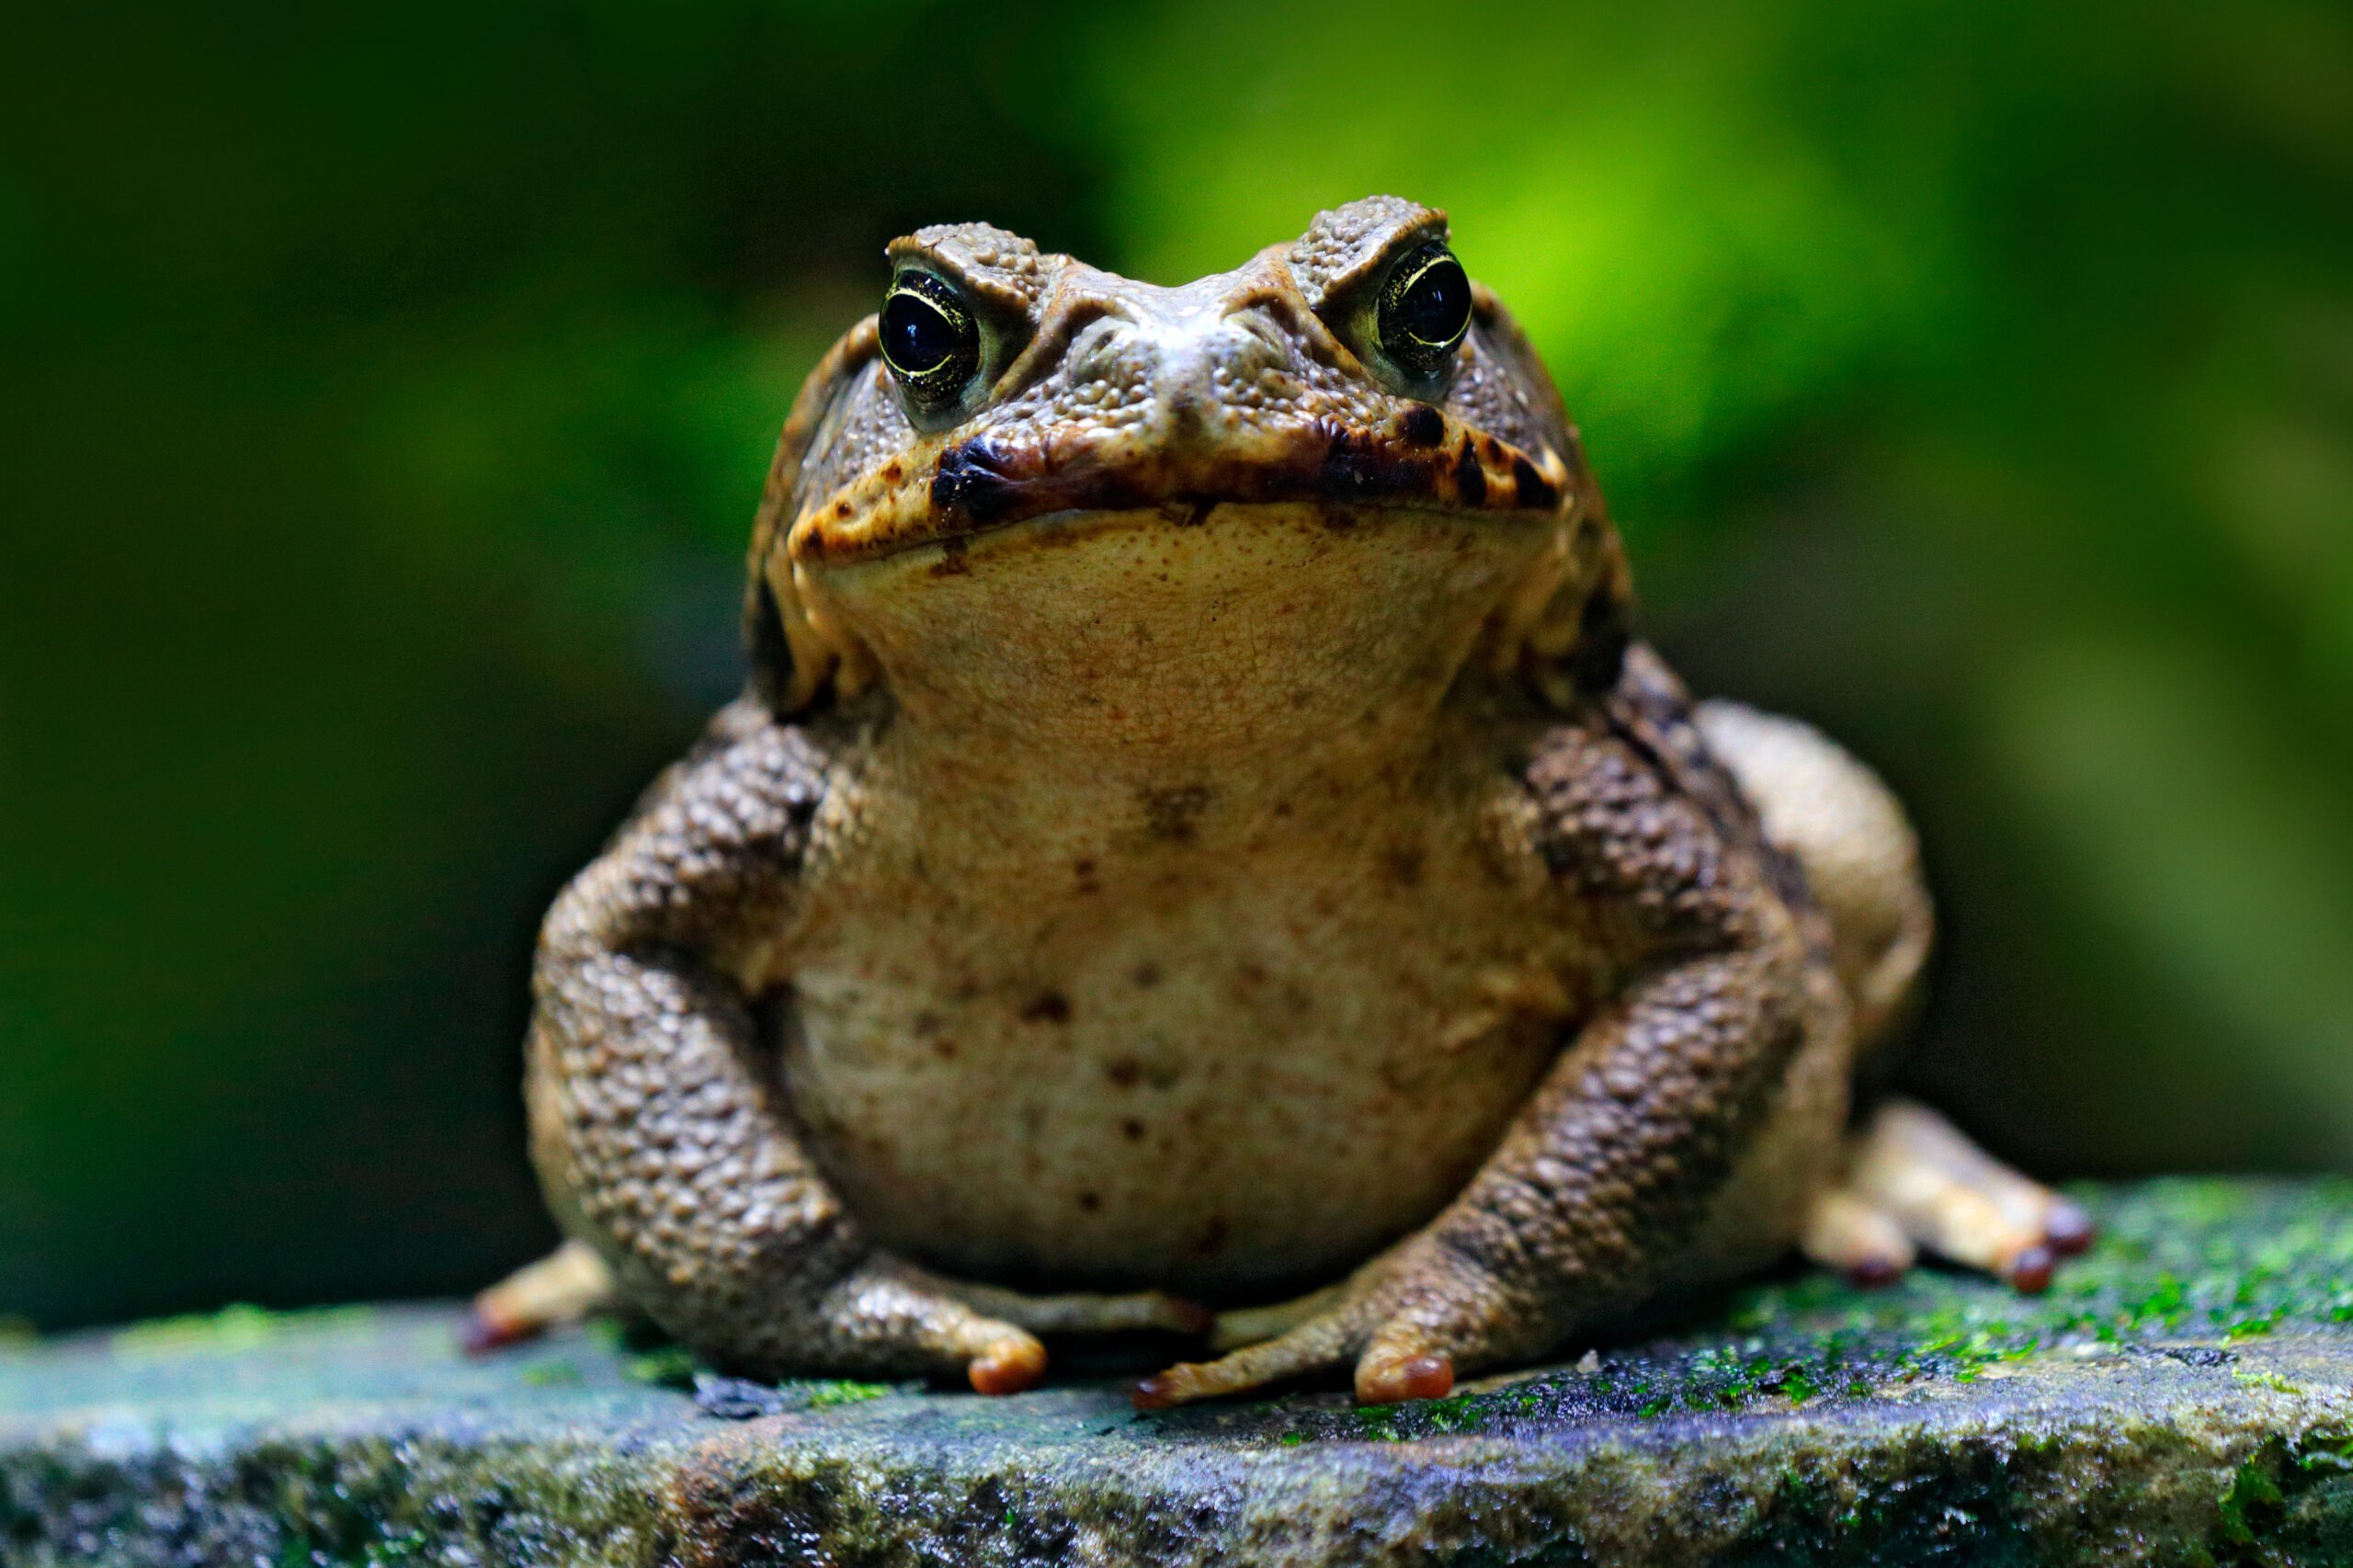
487,1330
1418,1351
1953,1199
1390,1380
562,1287
2030,1272
1861,1242
2066,1229
1012,1363
1180,1384
1321,1344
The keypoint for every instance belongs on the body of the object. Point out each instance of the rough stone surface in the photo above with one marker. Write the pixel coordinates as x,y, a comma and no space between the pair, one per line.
2184,1395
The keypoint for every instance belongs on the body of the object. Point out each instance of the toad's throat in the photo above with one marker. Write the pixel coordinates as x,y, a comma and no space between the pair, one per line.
1111,650
1421,461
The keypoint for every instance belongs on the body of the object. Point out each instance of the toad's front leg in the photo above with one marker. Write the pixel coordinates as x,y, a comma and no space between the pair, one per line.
1608,1171
661,1138
1579,1211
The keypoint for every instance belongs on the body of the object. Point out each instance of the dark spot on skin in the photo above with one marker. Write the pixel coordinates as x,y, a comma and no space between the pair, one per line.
973,479
841,508
1422,425
1355,467
1212,1238
1048,1007
944,1049
1088,1202
1471,476
927,1023
1131,1130
1146,975
951,562
1124,1073
1530,488
1404,865
1171,815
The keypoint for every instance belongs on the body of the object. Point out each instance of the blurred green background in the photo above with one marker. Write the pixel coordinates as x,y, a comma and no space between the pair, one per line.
386,392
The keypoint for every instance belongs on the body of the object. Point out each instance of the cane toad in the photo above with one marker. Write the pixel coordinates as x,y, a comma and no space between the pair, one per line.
1202,830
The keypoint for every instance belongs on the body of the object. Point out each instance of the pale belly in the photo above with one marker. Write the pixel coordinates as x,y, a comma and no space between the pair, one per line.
1227,1089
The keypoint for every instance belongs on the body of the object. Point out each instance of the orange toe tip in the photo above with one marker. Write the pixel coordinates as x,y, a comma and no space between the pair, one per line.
2030,1272
1008,1369
486,1331
1159,1392
1422,1376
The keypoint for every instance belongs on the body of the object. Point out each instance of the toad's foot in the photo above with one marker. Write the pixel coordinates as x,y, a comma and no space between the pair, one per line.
573,1283
1409,1319
1914,1181
1404,1322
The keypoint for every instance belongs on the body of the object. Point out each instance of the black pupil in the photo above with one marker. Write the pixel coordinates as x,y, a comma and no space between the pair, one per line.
1436,305
916,334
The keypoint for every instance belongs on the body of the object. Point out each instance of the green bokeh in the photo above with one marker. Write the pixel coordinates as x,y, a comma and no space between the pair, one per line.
385,394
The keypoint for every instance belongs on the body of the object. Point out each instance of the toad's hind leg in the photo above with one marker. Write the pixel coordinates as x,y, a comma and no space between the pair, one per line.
1834,816
1913,1181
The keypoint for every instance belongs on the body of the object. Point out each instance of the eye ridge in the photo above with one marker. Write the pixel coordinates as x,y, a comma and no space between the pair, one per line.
1425,308
928,338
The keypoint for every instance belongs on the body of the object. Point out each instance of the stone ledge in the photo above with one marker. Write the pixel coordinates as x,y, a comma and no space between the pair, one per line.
2184,1395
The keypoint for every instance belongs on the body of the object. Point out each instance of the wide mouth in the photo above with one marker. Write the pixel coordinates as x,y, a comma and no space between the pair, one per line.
1422,461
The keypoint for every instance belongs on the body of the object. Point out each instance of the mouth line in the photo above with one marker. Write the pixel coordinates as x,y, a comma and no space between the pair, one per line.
1421,462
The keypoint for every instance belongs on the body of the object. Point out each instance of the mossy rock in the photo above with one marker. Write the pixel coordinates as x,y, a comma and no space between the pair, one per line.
2184,1394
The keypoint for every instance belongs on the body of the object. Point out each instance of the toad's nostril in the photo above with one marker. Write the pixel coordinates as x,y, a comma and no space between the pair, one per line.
1255,337
1102,347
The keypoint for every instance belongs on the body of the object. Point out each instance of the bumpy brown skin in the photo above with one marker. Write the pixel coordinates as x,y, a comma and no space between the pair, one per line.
656,1130
1234,470
1606,1174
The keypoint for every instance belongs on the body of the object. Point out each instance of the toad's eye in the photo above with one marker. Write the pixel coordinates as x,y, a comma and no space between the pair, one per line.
929,339
1424,309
